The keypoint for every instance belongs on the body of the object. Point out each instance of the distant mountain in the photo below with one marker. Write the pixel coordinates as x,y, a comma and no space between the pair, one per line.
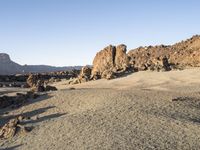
7,66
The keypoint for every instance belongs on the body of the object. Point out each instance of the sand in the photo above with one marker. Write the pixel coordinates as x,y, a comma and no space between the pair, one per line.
144,110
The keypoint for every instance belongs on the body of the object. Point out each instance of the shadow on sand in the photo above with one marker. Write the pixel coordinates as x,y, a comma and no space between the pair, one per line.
184,109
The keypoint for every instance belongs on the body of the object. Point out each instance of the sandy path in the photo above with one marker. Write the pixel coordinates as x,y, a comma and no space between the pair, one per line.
133,112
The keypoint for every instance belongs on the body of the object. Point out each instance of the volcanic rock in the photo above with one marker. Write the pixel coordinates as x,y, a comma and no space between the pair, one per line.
104,60
10,129
110,61
121,58
84,76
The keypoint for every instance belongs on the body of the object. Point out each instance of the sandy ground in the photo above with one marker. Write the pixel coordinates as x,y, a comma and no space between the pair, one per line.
134,112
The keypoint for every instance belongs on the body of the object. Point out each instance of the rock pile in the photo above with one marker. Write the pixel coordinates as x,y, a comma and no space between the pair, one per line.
164,58
84,76
37,84
10,129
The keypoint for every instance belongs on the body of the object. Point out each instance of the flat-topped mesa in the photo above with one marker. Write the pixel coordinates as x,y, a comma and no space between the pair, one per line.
109,61
4,57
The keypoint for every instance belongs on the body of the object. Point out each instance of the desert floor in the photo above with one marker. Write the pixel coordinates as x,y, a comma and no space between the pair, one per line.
144,110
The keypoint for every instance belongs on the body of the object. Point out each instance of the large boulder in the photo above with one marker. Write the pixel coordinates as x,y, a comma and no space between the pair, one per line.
103,61
85,72
84,76
109,61
32,80
121,58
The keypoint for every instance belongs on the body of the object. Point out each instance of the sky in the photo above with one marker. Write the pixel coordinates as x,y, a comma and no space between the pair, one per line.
71,32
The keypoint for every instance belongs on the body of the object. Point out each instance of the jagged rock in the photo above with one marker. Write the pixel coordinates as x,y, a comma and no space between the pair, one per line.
10,129
121,58
85,72
32,80
39,87
178,56
110,59
104,60
108,74
84,76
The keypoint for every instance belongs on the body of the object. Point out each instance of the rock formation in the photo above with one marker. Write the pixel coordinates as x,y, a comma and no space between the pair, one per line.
11,128
37,84
113,61
103,61
109,62
84,76
178,56
121,58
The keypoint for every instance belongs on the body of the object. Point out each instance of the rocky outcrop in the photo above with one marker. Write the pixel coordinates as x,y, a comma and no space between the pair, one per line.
13,127
109,61
32,80
113,61
150,58
38,84
103,61
84,76
164,58
121,59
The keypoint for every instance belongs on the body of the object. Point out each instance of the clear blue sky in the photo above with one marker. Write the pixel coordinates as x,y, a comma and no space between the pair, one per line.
70,32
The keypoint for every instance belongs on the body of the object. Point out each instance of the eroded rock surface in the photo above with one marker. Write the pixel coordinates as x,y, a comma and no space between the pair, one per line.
110,61
11,128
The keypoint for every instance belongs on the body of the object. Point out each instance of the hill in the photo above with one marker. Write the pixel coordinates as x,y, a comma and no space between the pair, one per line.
7,66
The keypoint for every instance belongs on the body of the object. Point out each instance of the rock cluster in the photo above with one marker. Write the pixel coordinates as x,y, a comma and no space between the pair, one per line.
178,56
37,84
113,61
84,76
10,129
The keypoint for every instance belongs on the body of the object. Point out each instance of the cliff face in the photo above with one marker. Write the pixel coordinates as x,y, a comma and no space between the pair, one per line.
7,66
110,59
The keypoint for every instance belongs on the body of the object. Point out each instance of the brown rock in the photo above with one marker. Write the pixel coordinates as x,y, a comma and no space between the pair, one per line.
164,58
110,61
85,72
104,60
121,58
39,87
84,76
10,129
32,80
